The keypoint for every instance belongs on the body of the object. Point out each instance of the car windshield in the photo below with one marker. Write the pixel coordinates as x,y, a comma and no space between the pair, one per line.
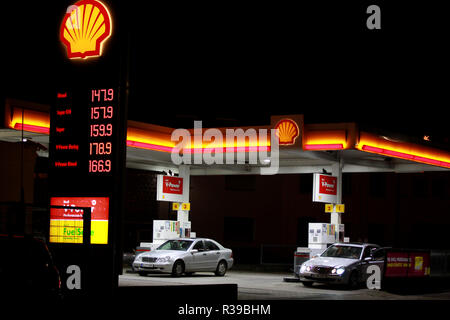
179,245
347,252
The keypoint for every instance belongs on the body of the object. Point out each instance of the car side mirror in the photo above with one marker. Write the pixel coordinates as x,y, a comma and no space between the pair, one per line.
368,258
194,251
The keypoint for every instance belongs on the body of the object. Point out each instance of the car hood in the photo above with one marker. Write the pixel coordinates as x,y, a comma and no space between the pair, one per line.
330,262
162,253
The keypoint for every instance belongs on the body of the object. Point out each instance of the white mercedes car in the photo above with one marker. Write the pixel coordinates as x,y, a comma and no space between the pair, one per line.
185,256
342,263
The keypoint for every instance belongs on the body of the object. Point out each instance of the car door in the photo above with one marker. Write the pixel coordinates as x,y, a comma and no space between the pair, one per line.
375,257
199,258
378,257
364,264
212,255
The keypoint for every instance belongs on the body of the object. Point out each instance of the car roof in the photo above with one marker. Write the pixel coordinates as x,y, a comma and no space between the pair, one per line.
359,244
192,239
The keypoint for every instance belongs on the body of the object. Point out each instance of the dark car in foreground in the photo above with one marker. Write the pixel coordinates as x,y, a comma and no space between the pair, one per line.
27,269
342,263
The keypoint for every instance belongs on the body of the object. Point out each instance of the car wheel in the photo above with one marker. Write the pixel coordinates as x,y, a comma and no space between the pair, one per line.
308,284
178,268
221,269
353,281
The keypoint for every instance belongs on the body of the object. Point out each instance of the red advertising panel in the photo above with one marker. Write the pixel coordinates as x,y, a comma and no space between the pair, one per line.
328,185
407,264
66,225
169,188
172,185
325,188
397,264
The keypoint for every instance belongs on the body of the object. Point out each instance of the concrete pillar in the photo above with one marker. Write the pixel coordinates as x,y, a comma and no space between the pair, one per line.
337,171
183,215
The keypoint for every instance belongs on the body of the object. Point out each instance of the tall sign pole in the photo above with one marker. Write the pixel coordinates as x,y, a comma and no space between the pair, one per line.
88,144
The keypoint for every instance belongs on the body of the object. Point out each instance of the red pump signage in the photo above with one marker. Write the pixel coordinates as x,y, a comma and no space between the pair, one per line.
325,188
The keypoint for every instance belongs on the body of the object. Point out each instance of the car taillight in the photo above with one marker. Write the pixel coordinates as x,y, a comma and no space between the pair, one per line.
231,256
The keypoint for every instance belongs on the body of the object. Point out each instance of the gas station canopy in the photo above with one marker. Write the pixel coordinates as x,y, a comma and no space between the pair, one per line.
311,148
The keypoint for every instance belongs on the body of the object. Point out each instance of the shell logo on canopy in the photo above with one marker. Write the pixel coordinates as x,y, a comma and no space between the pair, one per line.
85,28
287,131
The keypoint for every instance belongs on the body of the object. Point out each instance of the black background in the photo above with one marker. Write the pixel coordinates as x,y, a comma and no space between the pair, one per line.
236,63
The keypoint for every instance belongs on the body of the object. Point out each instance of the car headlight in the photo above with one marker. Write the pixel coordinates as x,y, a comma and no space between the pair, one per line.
340,271
138,258
302,268
163,259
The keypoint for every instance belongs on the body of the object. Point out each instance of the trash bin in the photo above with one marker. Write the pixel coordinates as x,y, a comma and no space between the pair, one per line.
300,256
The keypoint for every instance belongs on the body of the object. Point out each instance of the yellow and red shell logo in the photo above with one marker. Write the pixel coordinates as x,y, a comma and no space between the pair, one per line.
84,29
287,131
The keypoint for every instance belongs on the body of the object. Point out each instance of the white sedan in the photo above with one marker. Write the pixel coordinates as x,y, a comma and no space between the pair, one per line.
185,255
342,263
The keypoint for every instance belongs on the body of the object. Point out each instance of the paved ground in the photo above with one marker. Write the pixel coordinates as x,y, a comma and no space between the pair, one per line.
270,286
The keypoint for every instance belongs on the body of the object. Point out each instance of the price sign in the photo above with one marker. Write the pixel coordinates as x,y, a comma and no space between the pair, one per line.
83,149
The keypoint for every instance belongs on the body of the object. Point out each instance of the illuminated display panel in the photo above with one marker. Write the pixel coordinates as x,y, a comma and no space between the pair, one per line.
83,143
66,225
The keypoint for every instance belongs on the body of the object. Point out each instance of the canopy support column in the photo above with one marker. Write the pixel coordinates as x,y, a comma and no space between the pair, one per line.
183,215
337,172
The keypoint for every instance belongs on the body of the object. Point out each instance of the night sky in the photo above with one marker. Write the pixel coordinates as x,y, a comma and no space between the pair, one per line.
231,64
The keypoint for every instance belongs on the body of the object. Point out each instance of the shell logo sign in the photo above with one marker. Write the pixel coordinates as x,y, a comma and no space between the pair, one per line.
85,28
287,131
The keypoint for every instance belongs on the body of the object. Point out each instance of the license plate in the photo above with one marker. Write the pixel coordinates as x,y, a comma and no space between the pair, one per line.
319,276
148,265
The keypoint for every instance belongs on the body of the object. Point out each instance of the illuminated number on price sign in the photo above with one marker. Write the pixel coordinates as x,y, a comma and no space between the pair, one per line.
102,95
100,148
98,112
101,130
99,165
